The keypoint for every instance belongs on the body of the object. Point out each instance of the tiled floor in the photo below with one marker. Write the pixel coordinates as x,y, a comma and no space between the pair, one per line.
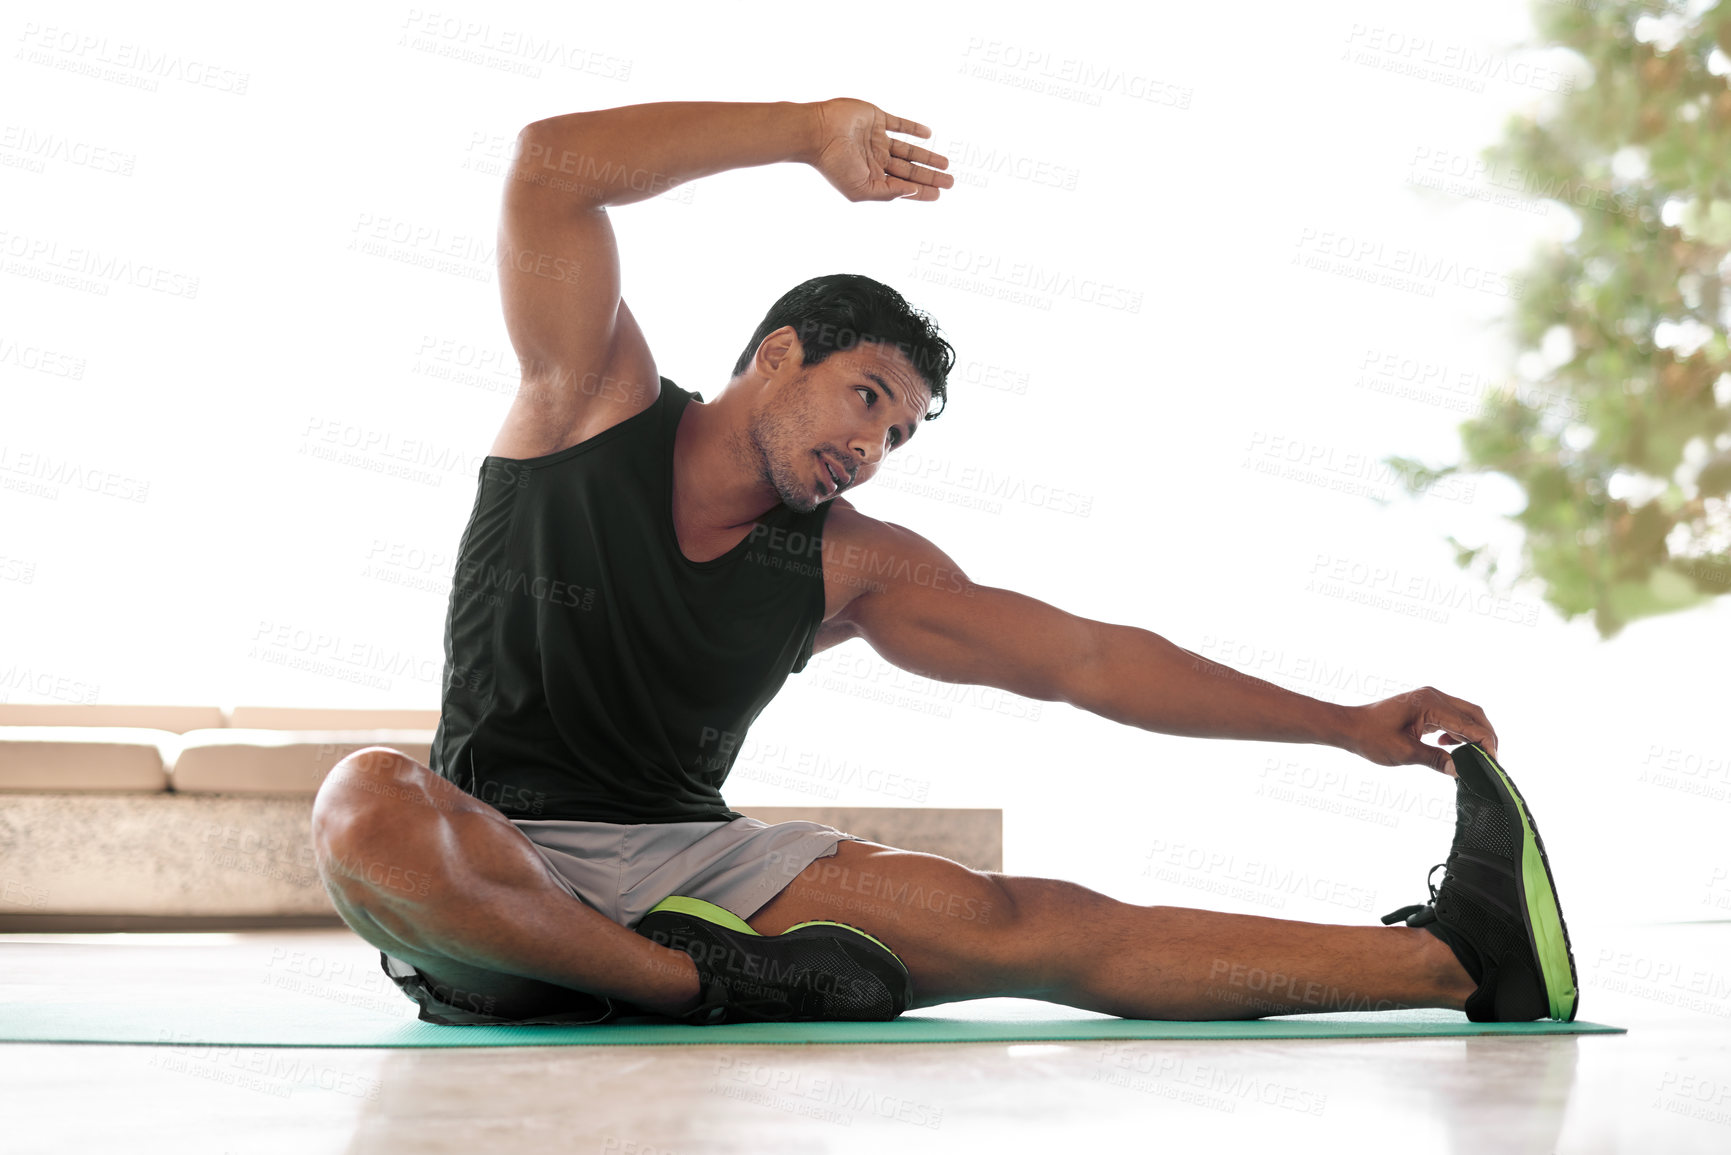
1664,1087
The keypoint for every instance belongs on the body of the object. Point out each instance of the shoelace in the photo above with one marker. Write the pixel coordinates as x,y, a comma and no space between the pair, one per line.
1418,914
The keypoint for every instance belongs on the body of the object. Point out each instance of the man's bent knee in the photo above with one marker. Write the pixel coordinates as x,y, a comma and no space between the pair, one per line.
369,812
377,780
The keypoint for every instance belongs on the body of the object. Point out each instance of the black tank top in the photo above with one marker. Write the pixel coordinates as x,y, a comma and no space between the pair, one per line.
592,670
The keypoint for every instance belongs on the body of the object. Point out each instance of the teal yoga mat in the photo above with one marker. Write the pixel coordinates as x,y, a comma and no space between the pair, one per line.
231,1018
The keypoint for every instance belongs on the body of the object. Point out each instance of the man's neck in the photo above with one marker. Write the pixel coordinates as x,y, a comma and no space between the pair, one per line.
714,490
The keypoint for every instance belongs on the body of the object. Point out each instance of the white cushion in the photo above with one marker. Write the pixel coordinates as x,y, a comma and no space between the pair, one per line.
247,761
56,758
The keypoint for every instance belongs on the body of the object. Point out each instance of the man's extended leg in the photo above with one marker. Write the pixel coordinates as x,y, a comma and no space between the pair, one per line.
431,875
970,934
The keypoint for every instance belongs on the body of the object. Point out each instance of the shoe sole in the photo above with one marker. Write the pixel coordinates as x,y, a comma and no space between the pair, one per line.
1547,934
720,916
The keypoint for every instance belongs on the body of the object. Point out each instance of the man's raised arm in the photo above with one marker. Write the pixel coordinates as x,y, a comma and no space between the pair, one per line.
586,364
615,156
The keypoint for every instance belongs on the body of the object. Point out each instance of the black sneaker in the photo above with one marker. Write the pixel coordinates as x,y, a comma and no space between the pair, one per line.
1497,906
810,972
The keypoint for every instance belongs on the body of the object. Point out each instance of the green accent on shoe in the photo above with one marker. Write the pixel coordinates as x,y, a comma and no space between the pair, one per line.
1542,913
855,929
722,917
707,911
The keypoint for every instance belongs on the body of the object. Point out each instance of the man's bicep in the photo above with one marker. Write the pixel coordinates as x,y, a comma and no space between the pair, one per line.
559,284
978,635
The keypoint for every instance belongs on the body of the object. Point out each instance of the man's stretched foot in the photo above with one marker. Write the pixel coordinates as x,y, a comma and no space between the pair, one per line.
810,972
1497,907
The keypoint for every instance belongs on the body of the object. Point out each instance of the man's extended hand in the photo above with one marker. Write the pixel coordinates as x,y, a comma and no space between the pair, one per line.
853,151
1388,732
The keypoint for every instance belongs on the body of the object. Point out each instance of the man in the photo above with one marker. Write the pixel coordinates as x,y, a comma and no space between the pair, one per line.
641,572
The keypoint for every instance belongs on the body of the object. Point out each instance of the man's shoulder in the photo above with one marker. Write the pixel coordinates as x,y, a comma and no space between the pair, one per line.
870,555
847,525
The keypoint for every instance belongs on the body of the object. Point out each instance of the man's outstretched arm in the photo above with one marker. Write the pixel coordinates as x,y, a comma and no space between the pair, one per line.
928,618
615,156
1134,674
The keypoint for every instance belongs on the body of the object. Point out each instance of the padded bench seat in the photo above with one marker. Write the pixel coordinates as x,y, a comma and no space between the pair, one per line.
107,758
231,761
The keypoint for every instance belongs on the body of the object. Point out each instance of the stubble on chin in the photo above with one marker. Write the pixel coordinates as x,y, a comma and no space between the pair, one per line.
795,489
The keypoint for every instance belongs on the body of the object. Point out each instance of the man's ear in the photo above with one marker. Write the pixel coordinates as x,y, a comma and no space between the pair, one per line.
777,351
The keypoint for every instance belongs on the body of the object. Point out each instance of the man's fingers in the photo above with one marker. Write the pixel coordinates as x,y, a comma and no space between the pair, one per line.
918,155
904,170
1436,759
907,190
910,127
1463,718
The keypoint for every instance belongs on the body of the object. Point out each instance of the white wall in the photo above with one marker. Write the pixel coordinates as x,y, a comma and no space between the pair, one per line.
167,522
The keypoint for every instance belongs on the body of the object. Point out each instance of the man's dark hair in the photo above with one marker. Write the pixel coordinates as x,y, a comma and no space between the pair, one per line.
835,313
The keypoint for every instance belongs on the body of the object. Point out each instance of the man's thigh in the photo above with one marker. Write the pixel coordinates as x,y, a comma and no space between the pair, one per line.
388,811
958,931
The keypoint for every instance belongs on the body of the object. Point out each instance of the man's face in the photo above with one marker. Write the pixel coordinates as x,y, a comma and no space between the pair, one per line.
843,416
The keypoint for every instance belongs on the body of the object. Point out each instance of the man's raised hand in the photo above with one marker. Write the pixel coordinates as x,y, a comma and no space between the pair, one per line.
853,151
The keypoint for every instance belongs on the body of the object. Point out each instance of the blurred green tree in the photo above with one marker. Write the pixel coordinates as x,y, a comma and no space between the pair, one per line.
1621,440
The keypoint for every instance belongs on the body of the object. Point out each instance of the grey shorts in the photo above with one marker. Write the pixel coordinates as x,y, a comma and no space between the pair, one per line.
624,870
